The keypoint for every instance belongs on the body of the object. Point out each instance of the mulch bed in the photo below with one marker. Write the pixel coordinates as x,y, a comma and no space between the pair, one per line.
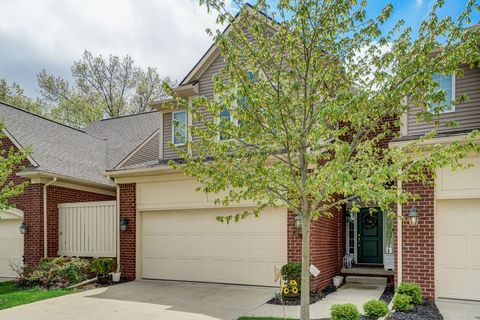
314,297
388,294
426,311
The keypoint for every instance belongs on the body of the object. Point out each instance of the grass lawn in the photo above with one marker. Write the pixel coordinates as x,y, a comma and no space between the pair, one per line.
11,296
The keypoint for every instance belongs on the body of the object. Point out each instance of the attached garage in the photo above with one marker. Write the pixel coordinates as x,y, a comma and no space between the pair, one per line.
11,241
191,245
458,249
457,233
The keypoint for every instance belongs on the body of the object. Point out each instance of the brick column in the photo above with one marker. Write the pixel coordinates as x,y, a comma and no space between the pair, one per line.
128,237
32,206
418,263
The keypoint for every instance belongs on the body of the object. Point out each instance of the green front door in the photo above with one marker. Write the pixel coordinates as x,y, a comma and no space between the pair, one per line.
370,236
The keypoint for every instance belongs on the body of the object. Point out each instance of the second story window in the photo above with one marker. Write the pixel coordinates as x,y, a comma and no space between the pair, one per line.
179,127
445,83
224,118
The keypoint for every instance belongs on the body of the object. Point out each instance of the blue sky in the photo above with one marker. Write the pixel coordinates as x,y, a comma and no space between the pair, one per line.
166,34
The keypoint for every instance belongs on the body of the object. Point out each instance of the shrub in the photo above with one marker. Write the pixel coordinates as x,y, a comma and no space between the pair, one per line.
58,272
402,303
375,309
102,266
292,271
347,311
412,290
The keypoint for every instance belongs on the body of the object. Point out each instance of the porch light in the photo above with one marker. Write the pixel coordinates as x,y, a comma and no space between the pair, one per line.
298,225
23,227
124,224
413,217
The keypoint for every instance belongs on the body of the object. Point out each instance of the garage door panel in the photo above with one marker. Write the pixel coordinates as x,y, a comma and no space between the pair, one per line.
244,252
11,246
458,254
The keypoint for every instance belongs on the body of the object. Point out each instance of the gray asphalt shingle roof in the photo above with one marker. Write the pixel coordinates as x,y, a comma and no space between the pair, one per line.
82,154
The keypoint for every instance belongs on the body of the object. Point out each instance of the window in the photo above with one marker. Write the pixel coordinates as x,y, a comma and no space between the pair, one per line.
179,127
224,118
447,84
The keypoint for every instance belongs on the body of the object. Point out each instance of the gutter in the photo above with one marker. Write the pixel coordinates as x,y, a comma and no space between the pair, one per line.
45,224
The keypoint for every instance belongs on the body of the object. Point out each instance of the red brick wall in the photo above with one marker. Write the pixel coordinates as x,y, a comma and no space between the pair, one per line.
326,247
418,258
57,195
128,238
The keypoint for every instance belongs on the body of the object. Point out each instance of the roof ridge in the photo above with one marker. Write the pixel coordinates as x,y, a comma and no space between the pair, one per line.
40,116
127,115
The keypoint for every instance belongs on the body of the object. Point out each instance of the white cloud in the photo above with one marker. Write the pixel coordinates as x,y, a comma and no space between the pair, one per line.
418,3
166,34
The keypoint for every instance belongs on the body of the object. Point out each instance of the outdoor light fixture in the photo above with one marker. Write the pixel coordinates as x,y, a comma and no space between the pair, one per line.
23,228
124,224
298,225
413,217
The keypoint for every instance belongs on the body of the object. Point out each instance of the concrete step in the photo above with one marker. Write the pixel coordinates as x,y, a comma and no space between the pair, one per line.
366,280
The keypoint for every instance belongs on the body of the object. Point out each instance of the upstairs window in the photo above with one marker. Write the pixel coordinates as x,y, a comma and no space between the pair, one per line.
445,83
179,127
224,118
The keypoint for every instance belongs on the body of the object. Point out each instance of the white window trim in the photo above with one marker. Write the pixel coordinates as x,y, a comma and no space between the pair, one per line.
452,109
173,128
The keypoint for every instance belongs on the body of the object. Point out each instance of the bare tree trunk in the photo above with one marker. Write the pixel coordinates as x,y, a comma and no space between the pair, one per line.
305,287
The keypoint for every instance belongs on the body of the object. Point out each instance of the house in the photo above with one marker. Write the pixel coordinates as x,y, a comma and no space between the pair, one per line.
169,230
65,165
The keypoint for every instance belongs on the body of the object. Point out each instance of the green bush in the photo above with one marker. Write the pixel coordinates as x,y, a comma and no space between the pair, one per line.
292,271
58,272
375,309
412,290
102,266
347,311
402,303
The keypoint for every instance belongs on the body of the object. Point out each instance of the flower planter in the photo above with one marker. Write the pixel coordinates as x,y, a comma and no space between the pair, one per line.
116,276
388,261
337,281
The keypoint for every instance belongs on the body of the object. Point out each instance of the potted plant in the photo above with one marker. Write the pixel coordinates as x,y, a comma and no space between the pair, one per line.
291,275
102,267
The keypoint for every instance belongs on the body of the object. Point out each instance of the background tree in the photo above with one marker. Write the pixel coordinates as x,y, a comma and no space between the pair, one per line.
103,87
14,95
10,160
306,99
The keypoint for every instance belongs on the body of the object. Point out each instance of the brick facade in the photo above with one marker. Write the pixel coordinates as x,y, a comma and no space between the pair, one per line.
418,255
31,203
327,246
128,209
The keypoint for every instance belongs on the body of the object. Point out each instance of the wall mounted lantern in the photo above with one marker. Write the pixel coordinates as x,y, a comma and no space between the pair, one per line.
413,217
23,227
124,224
298,225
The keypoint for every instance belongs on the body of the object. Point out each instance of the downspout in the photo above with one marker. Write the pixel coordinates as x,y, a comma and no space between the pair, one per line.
45,224
399,237
118,227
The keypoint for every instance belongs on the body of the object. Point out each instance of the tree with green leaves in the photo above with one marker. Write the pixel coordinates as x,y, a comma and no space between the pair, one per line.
103,87
310,92
11,160
14,95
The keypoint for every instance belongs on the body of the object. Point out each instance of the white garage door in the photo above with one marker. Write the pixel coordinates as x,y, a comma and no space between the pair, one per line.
191,245
11,246
458,249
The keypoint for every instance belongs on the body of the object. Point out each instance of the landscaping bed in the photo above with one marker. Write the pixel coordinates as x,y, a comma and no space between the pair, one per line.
425,311
388,294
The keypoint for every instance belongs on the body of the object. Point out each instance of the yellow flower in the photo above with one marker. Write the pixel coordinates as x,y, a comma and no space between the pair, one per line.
295,290
286,290
293,282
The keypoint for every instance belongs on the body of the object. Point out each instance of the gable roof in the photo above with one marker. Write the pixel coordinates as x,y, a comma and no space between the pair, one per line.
83,154
56,148
124,134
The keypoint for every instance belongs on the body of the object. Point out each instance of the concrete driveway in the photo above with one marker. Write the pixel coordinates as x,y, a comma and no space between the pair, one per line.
141,300
459,309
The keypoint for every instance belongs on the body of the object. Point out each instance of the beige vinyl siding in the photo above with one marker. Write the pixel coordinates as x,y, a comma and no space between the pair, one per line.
467,115
168,152
148,152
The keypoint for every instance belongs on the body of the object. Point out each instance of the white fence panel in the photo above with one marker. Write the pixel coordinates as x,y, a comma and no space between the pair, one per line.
87,229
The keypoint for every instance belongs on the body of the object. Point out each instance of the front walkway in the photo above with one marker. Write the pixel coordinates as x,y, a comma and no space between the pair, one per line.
355,293
459,309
